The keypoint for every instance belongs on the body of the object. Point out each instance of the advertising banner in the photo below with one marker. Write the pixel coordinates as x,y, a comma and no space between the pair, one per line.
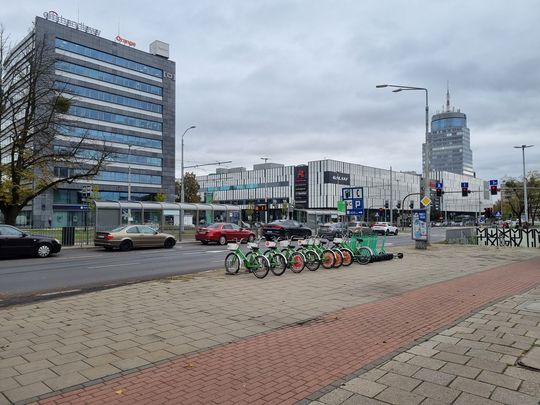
419,225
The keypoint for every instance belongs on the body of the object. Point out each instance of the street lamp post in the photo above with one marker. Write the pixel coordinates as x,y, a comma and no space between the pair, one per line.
426,167
182,182
182,165
265,191
523,147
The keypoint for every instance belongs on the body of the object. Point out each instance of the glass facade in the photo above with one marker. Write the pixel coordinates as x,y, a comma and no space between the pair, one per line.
445,123
107,97
114,118
107,57
80,132
125,177
107,77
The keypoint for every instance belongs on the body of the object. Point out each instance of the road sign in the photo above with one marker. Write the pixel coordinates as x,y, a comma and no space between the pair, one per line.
354,198
464,184
438,184
494,182
426,201
376,215
498,214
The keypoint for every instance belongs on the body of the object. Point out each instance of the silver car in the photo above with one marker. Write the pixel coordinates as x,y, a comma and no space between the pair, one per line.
133,236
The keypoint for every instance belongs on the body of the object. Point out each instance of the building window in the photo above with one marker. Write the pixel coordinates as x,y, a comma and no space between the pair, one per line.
107,57
109,136
107,97
107,77
114,118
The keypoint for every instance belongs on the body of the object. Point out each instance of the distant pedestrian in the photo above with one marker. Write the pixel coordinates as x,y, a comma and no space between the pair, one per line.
50,222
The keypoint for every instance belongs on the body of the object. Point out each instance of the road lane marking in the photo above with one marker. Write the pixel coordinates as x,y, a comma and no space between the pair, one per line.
112,265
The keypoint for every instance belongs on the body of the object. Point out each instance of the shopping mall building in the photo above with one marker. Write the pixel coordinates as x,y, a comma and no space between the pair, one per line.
310,192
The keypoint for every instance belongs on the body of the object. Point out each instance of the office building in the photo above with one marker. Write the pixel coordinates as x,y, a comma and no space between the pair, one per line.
450,142
122,98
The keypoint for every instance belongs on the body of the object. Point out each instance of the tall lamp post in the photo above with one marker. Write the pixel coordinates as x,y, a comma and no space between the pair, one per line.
523,147
182,165
265,192
426,169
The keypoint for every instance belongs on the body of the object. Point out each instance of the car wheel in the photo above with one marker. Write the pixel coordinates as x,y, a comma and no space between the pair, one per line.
126,245
43,250
396,232
169,243
251,238
222,240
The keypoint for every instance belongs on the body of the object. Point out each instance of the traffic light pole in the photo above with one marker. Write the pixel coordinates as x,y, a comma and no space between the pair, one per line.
403,206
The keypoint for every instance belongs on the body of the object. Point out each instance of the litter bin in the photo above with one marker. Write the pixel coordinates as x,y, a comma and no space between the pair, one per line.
68,236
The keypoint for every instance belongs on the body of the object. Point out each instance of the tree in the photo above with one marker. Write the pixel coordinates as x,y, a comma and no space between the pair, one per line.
512,196
285,209
160,196
191,188
250,209
32,114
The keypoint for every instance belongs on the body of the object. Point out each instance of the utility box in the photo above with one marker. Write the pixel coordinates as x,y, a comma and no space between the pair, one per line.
160,48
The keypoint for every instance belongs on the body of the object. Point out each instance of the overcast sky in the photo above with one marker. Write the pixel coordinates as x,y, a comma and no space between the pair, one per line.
294,81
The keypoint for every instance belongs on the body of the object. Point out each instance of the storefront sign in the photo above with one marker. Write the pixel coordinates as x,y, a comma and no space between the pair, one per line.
337,178
301,181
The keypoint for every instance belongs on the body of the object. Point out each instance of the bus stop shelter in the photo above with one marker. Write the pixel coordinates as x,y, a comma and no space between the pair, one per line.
165,216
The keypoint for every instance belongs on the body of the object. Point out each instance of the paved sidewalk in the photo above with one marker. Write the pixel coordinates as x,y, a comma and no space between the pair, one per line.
159,334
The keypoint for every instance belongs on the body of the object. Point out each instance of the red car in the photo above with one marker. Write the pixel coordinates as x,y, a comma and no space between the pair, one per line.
222,233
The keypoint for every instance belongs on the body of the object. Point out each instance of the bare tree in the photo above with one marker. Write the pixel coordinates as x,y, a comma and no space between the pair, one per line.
32,114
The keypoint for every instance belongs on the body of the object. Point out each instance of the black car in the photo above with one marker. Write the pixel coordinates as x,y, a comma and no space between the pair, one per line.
333,230
14,242
285,228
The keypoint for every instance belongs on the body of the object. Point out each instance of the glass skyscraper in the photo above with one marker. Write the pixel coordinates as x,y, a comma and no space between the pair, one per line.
450,142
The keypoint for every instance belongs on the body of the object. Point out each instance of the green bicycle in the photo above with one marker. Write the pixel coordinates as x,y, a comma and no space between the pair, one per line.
253,261
296,261
326,257
278,261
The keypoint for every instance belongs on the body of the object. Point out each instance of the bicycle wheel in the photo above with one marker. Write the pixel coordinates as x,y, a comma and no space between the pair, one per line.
327,259
297,262
278,263
363,256
347,257
312,260
339,258
261,266
232,263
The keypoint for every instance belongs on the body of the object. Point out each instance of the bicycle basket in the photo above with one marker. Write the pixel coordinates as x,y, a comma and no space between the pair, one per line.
270,244
252,245
338,240
284,243
232,246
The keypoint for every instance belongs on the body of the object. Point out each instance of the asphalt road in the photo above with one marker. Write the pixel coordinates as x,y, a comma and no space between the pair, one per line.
76,269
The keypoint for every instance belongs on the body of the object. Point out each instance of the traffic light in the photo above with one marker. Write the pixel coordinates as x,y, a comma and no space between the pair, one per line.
398,205
438,188
464,189
411,205
493,190
488,212
493,186
386,204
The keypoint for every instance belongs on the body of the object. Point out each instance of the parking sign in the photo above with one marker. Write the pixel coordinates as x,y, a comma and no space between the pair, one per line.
354,198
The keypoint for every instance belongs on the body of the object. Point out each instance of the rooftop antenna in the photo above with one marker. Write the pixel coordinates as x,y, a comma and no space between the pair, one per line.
447,96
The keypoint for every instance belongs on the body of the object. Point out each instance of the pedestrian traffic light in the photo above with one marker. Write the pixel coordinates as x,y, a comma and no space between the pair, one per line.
493,190
386,204
398,205
411,205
